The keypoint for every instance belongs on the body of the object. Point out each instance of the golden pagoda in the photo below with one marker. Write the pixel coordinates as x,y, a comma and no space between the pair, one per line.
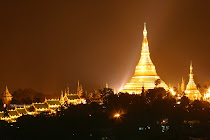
191,90
145,73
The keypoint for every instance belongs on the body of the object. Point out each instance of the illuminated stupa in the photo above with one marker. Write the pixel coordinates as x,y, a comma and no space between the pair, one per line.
191,90
145,74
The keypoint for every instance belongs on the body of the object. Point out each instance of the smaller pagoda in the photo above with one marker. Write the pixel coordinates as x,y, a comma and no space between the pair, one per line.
191,90
6,98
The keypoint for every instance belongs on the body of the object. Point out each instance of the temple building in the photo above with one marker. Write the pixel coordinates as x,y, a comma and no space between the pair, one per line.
71,98
13,114
41,107
53,104
30,109
21,110
145,73
9,115
191,90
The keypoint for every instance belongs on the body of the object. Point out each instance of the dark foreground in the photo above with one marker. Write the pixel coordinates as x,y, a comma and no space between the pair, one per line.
141,117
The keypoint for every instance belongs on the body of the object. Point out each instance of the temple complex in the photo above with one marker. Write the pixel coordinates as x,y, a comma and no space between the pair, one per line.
191,90
49,106
145,73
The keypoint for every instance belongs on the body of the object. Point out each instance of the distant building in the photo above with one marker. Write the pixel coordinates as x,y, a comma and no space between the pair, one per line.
41,107
53,104
71,98
191,90
30,109
9,115
6,97
13,114
79,89
183,85
21,110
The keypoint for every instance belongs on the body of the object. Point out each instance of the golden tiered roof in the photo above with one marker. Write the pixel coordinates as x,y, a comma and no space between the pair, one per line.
145,74
191,90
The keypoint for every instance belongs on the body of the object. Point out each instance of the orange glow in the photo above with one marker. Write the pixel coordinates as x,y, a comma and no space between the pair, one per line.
116,115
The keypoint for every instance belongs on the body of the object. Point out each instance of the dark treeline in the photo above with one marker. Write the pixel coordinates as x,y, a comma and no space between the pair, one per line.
95,121
27,96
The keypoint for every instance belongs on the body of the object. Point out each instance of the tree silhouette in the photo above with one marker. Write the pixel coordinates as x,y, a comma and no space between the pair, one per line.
157,82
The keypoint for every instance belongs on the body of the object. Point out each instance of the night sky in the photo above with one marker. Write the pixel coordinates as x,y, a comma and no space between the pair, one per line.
46,44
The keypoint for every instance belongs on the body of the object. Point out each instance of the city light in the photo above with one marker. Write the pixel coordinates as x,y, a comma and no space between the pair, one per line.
172,91
207,95
116,115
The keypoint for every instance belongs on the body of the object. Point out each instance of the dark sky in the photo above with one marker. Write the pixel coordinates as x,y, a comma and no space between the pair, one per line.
46,44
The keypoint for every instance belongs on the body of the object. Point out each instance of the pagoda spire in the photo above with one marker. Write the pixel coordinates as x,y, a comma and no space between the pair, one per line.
107,86
191,68
182,85
191,73
6,90
62,101
6,97
145,31
145,47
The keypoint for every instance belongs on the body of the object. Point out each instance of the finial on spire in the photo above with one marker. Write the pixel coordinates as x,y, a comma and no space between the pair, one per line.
145,26
191,67
6,89
145,31
107,86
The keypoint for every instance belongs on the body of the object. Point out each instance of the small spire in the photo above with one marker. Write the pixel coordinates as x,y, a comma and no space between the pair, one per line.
67,88
6,89
182,80
191,67
145,26
145,31
107,86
